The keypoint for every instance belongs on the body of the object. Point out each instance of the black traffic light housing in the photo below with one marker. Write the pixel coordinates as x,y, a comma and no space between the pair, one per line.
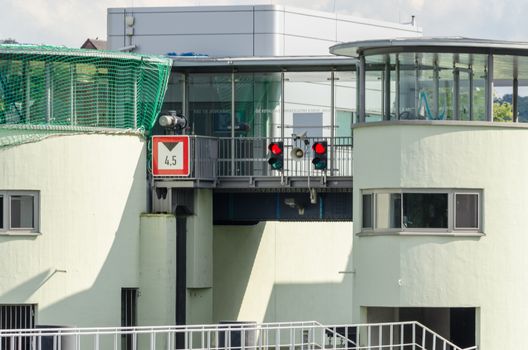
320,155
276,158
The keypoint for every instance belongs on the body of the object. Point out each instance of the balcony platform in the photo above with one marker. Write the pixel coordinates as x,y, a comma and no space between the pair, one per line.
259,182
242,164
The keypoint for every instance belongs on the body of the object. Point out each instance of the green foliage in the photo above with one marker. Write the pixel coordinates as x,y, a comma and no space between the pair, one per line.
502,111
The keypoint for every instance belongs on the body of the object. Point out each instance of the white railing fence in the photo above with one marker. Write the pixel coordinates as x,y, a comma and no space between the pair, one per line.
232,336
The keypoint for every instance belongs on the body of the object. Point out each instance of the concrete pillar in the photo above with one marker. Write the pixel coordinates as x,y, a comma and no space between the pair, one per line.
199,305
157,270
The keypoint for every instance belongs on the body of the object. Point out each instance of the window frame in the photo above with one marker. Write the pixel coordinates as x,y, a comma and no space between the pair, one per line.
7,228
479,211
372,214
451,212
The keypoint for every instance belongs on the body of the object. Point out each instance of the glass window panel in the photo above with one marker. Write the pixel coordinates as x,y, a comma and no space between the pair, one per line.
345,102
367,211
1,212
479,89
425,210
22,212
174,96
388,210
210,104
307,103
503,73
522,104
383,207
466,210
257,104
374,93
407,86
395,214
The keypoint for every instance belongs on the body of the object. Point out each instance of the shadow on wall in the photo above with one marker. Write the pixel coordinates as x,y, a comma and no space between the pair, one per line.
98,259
278,271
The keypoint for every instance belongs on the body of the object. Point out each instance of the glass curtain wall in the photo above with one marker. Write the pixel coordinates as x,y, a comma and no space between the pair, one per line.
427,86
244,110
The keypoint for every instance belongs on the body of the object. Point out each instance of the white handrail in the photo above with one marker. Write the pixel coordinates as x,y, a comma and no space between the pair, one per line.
309,335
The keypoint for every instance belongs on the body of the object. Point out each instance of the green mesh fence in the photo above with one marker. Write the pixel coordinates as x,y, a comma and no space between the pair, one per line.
60,88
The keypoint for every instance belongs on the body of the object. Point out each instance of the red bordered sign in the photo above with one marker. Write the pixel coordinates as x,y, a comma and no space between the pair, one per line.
170,155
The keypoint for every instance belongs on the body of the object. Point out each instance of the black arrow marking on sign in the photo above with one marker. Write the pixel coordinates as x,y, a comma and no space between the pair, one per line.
170,145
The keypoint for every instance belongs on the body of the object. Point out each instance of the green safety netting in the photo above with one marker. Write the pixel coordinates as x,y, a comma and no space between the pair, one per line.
60,89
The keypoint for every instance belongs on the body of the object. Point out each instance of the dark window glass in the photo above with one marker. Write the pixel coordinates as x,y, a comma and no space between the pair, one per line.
466,210
396,210
128,315
367,210
425,210
1,212
22,212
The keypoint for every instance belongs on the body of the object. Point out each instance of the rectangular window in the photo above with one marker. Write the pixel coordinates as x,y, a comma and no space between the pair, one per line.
425,210
1,212
466,211
128,315
19,211
17,317
388,210
22,212
433,210
367,211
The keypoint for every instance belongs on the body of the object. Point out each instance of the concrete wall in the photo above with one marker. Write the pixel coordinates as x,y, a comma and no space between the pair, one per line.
283,271
92,190
263,30
486,272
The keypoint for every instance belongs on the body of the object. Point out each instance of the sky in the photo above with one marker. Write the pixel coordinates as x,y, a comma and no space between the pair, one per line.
70,22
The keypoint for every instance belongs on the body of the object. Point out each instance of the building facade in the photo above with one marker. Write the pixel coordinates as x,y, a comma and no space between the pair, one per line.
413,154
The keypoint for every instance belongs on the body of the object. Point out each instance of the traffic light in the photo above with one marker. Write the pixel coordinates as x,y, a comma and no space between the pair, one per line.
320,157
276,159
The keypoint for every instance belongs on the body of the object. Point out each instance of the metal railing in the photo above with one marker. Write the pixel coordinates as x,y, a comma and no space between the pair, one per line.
249,157
204,155
233,336
212,158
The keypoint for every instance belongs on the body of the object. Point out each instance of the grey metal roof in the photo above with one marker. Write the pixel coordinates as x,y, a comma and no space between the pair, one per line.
278,61
354,48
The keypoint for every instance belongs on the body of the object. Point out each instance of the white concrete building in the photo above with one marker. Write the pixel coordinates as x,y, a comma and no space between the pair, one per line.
249,236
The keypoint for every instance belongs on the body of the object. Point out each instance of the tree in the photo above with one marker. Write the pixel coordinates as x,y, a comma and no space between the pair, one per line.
8,41
502,111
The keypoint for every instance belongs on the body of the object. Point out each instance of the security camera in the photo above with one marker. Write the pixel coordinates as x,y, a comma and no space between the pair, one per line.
290,202
173,120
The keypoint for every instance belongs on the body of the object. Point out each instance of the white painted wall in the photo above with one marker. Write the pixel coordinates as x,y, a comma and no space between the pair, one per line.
262,30
283,271
92,190
486,272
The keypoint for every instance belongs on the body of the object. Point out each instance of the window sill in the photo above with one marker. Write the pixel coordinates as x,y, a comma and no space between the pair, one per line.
20,233
422,233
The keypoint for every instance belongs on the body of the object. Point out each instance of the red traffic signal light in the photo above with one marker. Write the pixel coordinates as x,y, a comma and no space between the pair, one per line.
276,159
320,157
276,148
319,147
